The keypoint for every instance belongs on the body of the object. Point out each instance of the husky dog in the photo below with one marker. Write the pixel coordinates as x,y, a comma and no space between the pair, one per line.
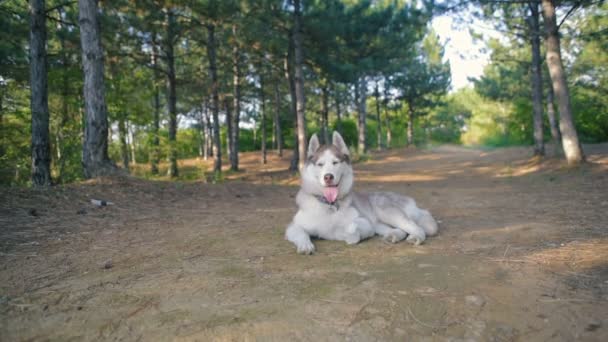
329,209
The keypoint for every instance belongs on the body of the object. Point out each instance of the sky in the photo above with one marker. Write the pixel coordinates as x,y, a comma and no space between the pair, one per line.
466,59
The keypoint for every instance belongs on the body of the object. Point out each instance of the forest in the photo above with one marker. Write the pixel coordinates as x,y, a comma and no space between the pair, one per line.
90,88
153,154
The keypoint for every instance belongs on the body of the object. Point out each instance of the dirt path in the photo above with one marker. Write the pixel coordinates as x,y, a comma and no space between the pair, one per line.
522,256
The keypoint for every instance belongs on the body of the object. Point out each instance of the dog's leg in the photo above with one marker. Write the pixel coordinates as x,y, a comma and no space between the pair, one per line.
300,238
426,221
396,218
365,228
359,229
390,234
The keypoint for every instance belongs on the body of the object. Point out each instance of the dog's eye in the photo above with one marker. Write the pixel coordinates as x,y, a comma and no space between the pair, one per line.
320,164
335,163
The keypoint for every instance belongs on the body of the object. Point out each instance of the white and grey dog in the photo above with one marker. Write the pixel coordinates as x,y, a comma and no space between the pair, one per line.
329,209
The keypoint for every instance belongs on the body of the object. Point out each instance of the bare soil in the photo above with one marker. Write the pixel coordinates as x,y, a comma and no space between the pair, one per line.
522,255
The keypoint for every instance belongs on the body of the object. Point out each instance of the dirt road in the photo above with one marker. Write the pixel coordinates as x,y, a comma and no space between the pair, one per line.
522,255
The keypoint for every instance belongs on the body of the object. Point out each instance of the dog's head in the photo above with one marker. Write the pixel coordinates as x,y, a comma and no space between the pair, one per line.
328,171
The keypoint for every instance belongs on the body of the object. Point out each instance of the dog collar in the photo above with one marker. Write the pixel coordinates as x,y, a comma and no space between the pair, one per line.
323,200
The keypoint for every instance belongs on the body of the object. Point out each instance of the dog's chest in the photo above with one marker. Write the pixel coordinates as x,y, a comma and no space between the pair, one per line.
325,217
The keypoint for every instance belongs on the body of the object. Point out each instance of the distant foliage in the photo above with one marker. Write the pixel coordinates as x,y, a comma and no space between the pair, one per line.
387,46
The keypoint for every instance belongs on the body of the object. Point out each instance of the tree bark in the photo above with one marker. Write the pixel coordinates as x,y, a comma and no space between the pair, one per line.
65,110
410,126
132,147
155,150
172,93
217,148
95,158
299,83
555,135
338,110
209,132
201,133
122,138
41,150
263,118
236,80
387,118
389,134
325,114
571,145
536,79
361,92
277,119
379,127
228,112
295,159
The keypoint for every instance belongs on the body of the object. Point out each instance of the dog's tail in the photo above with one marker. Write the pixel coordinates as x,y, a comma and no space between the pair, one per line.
427,222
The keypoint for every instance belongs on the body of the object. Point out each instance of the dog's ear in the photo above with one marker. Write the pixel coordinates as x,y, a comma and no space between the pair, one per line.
313,145
340,144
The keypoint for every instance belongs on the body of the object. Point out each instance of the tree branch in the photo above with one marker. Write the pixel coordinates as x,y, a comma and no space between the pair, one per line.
61,21
572,9
67,3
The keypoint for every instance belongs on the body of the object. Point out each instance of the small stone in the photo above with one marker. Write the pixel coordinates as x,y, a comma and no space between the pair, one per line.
108,264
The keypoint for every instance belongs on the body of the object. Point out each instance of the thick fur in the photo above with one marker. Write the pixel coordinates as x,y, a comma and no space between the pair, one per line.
354,216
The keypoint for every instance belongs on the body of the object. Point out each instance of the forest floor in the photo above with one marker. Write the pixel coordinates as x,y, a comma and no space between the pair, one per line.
522,255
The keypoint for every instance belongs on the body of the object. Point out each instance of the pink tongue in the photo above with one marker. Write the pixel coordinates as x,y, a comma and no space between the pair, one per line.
330,193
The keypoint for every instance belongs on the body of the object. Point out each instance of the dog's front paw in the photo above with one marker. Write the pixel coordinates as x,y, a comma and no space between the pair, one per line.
352,234
353,238
415,240
306,248
395,236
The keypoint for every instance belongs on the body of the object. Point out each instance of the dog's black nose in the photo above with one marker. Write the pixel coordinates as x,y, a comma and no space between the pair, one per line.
328,177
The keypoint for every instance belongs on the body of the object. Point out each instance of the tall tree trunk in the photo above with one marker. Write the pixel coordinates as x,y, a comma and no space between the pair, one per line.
155,157
338,110
410,126
555,135
295,159
41,146
277,119
122,138
387,118
201,133
236,116
325,113
361,94
132,146
536,79
228,112
2,144
95,158
389,134
209,132
172,100
263,117
65,111
299,80
572,148
217,153
379,127
155,150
